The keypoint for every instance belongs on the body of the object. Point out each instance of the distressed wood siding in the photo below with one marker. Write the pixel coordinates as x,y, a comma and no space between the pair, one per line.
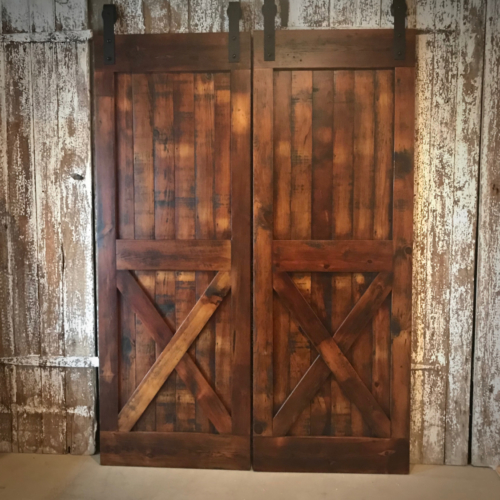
449,82
486,397
47,325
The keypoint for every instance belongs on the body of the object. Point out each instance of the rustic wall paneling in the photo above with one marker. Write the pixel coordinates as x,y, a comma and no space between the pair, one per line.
47,330
486,396
451,46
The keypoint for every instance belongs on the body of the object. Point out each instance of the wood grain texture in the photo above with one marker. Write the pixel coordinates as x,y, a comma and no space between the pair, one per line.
174,255
174,351
321,454
332,256
46,206
179,449
486,409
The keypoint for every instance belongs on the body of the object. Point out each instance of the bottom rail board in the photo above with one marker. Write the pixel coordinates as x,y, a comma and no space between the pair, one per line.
176,449
331,454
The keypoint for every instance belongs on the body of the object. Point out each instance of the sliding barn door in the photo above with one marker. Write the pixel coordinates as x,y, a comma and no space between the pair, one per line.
172,154
333,195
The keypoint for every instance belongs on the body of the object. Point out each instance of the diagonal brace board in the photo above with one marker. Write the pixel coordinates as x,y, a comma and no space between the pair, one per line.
345,336
174,351
187,368
347,377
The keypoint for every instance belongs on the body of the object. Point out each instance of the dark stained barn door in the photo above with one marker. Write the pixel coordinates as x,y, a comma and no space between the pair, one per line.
333,196
173,180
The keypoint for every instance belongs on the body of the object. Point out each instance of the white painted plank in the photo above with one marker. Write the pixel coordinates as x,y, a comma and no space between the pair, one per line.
130,17
437,260
52,361
15,16
205,16
81,424
423,90
166,16
463,245
71,14
343,14
22,209
48,198
486,397
368,13
6,281
55,36
53,422
76,197
42,16
308,14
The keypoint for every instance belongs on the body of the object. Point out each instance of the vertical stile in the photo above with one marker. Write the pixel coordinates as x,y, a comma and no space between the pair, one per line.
106,249
125,224
384,140
281,213
224,363
404,117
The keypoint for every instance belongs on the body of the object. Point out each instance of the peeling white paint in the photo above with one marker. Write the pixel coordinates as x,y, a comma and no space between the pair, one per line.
52,361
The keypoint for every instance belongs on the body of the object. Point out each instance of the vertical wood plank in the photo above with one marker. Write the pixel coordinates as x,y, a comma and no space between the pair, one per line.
22,209
144,228
384,112
71,15
282,191
76,197
321,227
48,189
222,213
363,208
404,116
263,236
164,193
106,249
204,95
166,16
125,224
463,248
42,15
241,249
342,224
185,216
300,222
486,408
6,276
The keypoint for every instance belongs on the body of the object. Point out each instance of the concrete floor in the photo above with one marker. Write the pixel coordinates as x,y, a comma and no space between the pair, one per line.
37,477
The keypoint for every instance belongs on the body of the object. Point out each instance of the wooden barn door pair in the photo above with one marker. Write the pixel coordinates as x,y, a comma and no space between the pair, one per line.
332,238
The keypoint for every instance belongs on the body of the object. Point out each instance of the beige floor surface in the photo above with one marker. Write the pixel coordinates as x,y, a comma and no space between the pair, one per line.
46,477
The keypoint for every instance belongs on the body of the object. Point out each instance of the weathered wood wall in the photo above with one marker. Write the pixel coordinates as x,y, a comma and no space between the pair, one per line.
45,200
486,395
449,83
47,326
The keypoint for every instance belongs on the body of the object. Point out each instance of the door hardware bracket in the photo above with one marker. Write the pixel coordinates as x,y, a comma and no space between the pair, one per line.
233,44
399,10
269,10
109,17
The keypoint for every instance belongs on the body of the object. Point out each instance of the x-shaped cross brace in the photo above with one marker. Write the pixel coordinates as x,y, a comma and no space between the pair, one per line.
174,354
331,358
